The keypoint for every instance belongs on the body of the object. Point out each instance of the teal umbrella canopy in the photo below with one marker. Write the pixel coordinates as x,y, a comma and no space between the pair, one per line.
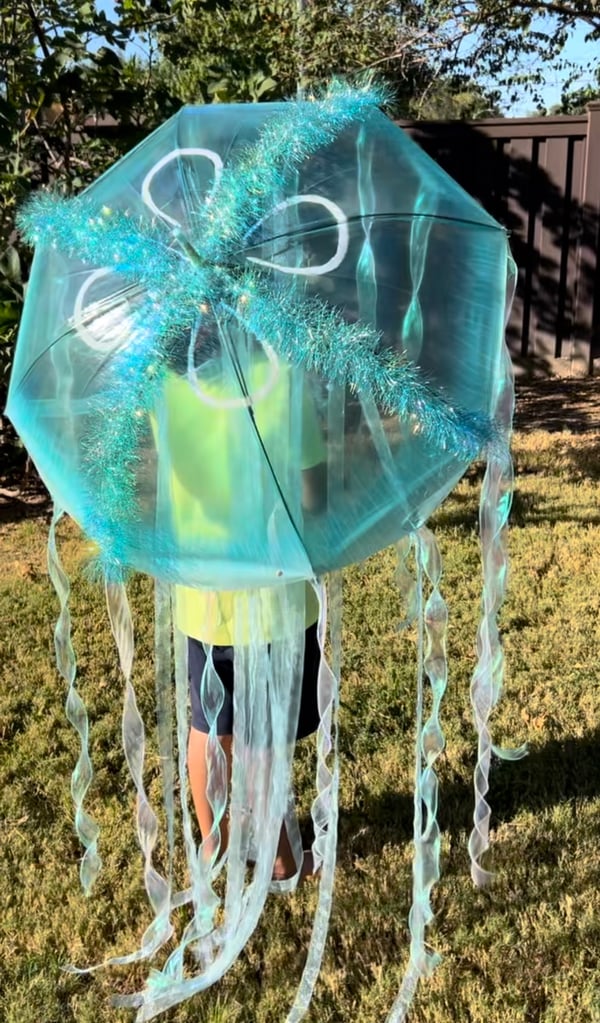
264,345
223,311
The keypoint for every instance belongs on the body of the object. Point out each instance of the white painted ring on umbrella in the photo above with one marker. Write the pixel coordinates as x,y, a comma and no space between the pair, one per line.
205,396
145,192
105,342
343,237
241,402
312,271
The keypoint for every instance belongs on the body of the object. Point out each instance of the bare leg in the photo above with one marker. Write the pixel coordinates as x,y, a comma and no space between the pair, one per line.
198,775
285,865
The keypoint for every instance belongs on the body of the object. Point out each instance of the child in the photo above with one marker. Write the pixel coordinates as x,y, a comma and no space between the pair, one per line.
224,494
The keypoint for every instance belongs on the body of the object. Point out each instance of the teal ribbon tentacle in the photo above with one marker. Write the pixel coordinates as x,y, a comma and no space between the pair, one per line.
433,664
412,323
406,582
163,665
486,684
200,934
266,788
87,830
367,291
157,887
325,809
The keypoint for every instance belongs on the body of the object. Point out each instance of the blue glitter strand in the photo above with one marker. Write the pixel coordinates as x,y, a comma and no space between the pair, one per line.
309,333
143,252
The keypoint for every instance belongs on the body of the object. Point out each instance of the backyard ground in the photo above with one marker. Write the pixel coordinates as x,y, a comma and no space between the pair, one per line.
525,950
556,405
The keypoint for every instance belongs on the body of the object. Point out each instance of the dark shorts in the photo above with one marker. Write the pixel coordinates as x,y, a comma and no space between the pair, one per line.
308,718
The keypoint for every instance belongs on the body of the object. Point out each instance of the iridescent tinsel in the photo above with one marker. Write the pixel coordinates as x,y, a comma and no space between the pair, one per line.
310,333
249,185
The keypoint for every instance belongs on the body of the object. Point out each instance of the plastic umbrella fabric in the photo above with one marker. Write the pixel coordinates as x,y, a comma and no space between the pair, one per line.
264,345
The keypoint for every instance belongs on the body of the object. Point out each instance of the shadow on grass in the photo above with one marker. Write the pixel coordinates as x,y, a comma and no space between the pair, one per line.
556,405
24,502
535,509
586,460
527,509
562,771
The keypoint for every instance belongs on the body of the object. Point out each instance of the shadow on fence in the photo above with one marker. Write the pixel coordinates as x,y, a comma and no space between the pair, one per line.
540,178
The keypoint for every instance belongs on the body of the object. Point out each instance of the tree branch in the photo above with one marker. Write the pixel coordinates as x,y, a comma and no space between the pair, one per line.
479,12
39,30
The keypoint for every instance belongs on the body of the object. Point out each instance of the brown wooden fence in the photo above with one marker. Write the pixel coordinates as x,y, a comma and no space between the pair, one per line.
540,177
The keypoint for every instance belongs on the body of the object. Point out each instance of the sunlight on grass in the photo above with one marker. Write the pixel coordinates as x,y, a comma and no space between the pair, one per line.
524,951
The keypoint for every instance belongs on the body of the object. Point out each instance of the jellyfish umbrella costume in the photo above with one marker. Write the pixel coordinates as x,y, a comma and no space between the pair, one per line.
253,298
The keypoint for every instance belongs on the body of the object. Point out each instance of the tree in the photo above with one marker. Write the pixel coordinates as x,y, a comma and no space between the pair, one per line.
253,50
51,84
455,98
511,43
512,14
62,62
261,49
575,101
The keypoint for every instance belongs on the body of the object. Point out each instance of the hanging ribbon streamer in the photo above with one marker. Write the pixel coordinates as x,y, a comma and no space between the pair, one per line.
157,888
406,582
486,685
198,934
325,807
432,621
202,894
259,801
164,715
87,830
420,229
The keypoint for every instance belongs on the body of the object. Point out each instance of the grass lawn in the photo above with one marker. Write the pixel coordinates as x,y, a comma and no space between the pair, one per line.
526,950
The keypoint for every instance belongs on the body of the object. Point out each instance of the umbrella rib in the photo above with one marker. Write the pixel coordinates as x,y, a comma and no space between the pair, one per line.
293,236
245,391
69,330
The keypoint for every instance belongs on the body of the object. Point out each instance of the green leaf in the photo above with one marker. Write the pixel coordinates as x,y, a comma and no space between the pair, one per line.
10,264
9,314
267,85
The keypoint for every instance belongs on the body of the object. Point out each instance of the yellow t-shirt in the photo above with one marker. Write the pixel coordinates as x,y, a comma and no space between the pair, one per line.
206,442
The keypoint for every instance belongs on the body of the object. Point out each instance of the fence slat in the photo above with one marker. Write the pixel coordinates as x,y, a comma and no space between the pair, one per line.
588,291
